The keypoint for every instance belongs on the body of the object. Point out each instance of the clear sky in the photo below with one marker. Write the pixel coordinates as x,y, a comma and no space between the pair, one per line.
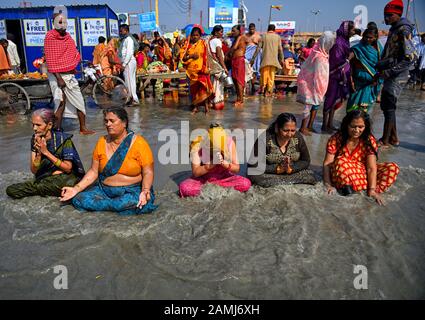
172,17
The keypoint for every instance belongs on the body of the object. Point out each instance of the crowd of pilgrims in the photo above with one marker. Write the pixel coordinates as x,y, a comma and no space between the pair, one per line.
333,74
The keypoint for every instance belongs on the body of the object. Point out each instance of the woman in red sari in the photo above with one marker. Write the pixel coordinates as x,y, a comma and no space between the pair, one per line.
194,57
350,163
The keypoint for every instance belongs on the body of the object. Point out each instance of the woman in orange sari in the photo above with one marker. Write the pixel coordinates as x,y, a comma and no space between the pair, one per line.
194,57
110,62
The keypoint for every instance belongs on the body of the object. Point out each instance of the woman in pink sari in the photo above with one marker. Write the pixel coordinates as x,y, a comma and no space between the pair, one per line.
313,80
214,160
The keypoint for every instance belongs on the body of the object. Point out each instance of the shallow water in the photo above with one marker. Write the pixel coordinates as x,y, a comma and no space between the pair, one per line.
280,243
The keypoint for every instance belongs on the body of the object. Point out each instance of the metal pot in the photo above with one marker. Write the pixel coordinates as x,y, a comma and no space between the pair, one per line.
228,82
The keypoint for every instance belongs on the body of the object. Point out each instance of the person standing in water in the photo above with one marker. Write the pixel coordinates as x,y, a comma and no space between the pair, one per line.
237,54
399,54
62,58
313,81
253,53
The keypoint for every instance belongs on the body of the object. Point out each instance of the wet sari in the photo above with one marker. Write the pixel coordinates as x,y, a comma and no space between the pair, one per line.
197,71
349,168
367,58
340,71
46,183
123,199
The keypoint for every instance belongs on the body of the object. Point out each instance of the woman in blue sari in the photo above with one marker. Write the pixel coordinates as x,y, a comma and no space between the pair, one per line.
363,65
123,166
54,162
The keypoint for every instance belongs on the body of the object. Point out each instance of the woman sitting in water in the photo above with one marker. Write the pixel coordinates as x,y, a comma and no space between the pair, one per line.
123,164
54,160
350,162
286,159
214,160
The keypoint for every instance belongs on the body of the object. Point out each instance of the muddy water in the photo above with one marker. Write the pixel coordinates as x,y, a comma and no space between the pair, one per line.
279,243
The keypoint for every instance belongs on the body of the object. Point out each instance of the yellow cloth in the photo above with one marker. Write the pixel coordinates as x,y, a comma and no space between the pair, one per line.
267,76
194,67
216,140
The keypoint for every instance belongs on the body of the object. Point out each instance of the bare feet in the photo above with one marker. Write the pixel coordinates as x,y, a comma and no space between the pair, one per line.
395,143
384,146
195,111
87,132
238,104
327,130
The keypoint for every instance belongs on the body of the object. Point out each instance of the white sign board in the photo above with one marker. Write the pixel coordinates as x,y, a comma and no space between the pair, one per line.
71,29
284,25
91,30
113,28
3,31
35,32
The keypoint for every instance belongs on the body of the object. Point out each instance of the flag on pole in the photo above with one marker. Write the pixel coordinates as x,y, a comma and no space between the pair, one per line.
278,7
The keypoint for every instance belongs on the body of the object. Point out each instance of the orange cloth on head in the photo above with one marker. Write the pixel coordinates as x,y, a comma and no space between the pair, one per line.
138,156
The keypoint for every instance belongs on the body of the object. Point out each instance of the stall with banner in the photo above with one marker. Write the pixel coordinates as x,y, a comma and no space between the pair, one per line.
86,23
286,29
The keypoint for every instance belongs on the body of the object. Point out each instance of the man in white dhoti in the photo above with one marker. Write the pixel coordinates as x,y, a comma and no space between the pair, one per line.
62,57
126,53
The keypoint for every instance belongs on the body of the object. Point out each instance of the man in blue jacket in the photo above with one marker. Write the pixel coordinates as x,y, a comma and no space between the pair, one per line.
399,54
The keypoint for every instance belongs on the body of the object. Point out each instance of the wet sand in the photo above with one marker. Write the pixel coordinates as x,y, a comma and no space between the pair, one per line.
280,243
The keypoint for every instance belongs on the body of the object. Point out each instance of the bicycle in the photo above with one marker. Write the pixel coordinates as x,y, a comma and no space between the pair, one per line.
106,89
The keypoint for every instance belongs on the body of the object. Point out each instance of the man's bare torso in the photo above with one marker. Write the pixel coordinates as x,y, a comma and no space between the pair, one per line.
253,39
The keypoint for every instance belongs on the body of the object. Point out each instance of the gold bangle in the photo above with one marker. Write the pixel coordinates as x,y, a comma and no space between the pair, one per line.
58,163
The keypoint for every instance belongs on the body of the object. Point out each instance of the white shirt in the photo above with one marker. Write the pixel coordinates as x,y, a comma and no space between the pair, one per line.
355,40
13,54
214,44
127,51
